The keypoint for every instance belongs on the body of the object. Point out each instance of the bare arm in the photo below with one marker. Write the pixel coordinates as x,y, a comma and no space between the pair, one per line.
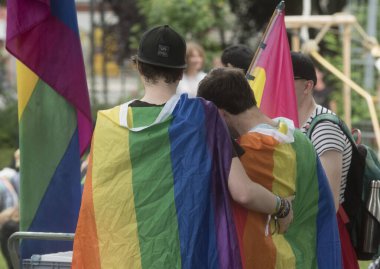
252,195
248,193
332,164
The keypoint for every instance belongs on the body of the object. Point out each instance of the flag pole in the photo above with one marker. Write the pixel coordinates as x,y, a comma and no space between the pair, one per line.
280,7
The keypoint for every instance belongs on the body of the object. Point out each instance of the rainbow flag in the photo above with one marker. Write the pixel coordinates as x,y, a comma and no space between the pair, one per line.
54,116
156,193
271,73
284,161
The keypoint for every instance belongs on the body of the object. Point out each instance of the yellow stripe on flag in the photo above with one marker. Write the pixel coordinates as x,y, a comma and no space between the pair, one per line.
284,185
117,224
26,83
258,84
284,250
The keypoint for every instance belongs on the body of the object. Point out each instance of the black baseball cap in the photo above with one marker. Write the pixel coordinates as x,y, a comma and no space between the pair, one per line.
239,56
162,46
303,67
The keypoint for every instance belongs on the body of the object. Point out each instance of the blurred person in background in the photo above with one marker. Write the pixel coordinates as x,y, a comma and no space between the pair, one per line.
238,56
9,200
193,74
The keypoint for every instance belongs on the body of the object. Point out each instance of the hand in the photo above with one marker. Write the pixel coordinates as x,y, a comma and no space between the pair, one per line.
284,223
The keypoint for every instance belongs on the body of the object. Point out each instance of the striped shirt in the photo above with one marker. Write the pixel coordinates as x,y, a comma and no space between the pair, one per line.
328,136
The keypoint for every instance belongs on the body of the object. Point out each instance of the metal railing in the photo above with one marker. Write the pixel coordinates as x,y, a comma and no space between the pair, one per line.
13,242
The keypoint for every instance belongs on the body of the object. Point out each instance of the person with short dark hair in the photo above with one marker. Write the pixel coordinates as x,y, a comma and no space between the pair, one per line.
332,146
239,56
161,174
279,157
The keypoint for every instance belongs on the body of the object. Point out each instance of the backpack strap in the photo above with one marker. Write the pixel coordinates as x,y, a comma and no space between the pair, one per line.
331,118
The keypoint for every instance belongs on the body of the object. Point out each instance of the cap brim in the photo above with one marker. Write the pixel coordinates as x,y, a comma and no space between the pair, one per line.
160,64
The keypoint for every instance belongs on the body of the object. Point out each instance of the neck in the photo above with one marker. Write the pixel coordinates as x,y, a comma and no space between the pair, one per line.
191,72
249,119
158,93
305,109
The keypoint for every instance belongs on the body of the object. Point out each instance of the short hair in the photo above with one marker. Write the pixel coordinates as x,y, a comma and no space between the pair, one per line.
303,67
228,89
239,56
152,73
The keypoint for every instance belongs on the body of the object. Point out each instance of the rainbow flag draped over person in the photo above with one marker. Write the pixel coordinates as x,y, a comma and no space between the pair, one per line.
271,73
54,116
284,161
156,192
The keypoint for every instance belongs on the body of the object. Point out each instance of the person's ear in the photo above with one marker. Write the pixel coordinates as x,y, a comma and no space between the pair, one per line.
309,86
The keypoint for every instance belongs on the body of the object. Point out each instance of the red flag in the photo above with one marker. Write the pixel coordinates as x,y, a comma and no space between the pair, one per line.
271,73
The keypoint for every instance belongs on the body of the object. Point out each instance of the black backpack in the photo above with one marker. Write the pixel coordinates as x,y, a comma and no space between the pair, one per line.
364,168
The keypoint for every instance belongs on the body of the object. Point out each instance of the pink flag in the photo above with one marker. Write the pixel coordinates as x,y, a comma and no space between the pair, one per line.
271,73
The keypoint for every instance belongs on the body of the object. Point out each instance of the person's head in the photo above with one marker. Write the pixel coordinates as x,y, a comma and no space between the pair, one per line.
239,56
195,56
305,77
161,55
228,89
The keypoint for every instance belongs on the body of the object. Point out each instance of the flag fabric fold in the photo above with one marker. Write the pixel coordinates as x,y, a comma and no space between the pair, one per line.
156,196
54,116
286,164
271,73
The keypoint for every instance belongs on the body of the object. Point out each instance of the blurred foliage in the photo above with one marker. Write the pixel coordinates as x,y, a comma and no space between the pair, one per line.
8,133
6,157
9,125
331,49
254,15
204,21
130,24
192,18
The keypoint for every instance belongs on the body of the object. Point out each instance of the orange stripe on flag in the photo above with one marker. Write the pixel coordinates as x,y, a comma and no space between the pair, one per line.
88,252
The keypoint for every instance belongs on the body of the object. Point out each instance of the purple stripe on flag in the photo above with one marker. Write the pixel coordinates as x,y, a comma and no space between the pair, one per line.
229,254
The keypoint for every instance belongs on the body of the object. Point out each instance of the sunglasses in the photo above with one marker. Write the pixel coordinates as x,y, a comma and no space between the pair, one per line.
298,78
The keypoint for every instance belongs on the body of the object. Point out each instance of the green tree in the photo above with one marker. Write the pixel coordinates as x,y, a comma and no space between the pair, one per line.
254,15
195,19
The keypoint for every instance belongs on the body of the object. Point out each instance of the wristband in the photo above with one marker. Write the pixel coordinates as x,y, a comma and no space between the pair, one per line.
284,209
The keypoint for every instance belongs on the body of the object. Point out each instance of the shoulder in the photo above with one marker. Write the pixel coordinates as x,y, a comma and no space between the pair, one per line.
111,114
328,136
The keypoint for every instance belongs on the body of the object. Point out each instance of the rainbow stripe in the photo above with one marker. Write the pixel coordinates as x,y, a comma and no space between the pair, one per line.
158,197
271,73
285,168
54,116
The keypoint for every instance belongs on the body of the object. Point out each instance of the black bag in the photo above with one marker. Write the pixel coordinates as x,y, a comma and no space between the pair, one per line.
364,168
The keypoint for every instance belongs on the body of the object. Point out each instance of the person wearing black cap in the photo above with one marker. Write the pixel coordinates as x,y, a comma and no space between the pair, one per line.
168,163
333,147
239,56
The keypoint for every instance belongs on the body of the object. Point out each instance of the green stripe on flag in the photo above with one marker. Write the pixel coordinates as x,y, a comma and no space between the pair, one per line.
46,128
305,206
154,192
